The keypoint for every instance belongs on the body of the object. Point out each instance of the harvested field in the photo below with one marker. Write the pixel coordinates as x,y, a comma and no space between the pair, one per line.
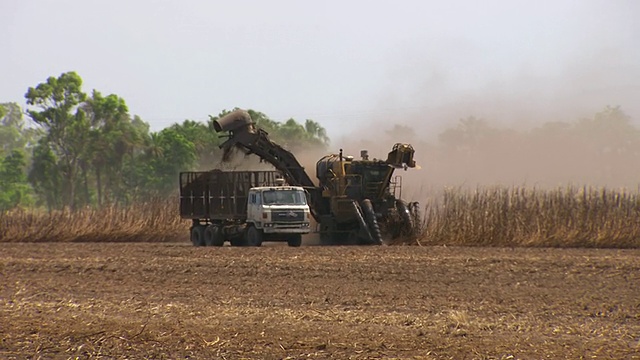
171,300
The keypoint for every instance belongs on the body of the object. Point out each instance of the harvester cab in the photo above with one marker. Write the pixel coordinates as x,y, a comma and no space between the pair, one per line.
365,178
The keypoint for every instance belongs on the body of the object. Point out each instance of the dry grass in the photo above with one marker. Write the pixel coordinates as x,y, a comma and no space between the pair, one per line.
567,217
142,222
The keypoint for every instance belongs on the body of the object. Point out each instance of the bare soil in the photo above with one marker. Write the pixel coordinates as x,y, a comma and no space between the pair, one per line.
171,300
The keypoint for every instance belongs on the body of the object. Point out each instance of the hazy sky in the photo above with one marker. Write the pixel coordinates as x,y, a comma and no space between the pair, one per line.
342,63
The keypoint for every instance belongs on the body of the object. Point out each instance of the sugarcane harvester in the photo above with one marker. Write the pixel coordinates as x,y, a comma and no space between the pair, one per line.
355,201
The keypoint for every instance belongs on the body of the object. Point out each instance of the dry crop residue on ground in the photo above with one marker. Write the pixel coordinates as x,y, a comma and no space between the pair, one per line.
170,300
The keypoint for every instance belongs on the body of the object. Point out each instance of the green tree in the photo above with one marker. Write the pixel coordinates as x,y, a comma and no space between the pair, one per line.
14,134
10,126
66,125
14,188
177,154
203,137
113,137
45,176
155,171
316,133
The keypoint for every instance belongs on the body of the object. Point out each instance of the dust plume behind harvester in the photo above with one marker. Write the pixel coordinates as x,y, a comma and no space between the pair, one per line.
356,201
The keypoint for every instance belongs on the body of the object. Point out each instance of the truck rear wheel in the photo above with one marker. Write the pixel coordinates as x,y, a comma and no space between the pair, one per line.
197,235
213,236
295,240
253,237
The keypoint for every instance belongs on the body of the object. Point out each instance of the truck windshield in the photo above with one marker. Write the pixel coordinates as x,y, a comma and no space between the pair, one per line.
284,197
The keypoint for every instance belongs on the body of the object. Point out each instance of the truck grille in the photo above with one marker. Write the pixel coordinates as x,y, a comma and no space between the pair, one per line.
287,215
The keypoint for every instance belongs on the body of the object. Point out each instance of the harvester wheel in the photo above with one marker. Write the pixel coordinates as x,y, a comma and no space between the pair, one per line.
197,235
405,217
253,237
295,240
411,220
213,236
372,221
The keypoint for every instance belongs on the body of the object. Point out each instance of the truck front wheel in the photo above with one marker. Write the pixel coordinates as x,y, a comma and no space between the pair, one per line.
295,240
253,237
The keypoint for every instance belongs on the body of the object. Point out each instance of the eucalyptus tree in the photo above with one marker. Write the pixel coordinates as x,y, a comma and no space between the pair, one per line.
55,107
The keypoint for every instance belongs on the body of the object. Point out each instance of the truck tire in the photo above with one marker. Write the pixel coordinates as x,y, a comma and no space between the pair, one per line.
253,237
197,235
213,236
295,240
372,221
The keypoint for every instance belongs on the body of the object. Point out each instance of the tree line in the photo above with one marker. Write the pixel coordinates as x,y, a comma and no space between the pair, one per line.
88,150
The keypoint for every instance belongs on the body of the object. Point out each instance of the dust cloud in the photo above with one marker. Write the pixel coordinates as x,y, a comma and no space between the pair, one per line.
602,150
576,126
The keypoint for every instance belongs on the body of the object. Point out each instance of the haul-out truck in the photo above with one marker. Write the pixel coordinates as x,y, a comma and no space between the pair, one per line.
243,207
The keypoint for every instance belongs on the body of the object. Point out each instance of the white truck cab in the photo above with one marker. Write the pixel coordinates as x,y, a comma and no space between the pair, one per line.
279,210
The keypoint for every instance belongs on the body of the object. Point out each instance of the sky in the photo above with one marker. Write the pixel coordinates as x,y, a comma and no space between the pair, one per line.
350,65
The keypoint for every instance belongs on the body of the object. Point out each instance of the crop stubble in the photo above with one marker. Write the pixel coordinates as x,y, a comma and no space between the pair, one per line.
170,300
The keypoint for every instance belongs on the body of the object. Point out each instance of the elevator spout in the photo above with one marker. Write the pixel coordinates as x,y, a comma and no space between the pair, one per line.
237,120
